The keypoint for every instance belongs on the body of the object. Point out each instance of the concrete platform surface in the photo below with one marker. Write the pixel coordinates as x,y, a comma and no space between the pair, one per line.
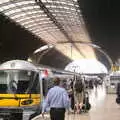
104,107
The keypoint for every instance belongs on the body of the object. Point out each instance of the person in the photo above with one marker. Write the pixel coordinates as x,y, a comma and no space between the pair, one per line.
96,83
118,93
78,94
70,94
91,84
58,101
118,89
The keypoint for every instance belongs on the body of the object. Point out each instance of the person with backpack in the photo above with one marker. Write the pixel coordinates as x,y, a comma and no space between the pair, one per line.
78,94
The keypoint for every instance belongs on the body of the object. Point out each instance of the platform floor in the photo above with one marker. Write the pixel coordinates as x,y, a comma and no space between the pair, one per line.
104,107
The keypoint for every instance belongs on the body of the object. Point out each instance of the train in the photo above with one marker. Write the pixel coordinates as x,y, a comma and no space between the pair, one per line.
20,92
23,87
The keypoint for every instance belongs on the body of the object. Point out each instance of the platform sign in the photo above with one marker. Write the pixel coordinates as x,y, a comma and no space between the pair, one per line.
115,68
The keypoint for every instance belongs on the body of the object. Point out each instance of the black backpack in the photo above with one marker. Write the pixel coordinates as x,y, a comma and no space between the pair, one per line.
78,86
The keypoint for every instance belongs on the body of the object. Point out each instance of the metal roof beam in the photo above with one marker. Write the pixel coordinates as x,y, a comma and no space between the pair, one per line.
49,14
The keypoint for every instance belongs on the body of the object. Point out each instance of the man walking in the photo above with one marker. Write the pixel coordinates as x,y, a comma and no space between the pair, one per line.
58,101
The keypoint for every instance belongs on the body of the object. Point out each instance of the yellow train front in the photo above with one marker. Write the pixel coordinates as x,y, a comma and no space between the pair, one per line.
19,90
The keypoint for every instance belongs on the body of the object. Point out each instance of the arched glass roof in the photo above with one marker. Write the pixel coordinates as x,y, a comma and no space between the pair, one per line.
54,21
87,66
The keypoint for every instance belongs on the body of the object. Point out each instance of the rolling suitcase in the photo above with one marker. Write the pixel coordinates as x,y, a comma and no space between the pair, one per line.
86,104
118,100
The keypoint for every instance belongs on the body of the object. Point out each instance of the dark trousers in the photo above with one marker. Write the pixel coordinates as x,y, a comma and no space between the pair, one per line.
57,113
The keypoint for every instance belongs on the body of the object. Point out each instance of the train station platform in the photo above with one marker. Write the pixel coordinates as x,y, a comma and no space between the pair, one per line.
104,107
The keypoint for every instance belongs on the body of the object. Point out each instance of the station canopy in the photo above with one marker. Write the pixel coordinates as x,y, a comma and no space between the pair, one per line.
57,22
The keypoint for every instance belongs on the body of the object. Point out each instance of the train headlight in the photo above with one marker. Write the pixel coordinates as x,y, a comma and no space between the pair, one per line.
27,102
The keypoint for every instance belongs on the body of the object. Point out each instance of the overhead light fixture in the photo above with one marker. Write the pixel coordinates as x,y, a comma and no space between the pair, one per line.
45,47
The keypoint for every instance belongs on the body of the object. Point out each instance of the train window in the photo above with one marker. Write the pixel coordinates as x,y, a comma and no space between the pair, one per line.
18,81
25,75
28,82
35,85
3,77
3,82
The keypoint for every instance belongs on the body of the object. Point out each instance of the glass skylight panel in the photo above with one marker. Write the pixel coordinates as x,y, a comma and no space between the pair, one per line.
46,22
29,8
18,15
61,11
67,8
24,7
47,25
17,8
54,30
34,25
41,32
34,11
45,0
30,26
7,6
14,16
60,18
62,2
36,31
23,2
39,15
45,18
4,1
73,9
13,11
36,15
75,0
57,3
28,22
40,19
36,6
24,19
29,12
52,6
49,1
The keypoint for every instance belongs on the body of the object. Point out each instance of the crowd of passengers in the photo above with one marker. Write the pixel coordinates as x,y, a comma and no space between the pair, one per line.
79,99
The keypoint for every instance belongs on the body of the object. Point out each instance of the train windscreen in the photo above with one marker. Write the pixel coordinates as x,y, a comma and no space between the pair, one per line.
19,81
